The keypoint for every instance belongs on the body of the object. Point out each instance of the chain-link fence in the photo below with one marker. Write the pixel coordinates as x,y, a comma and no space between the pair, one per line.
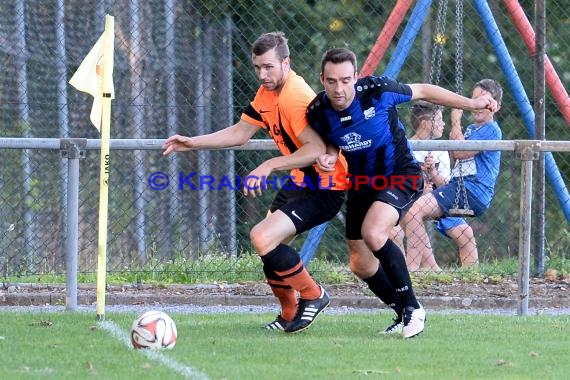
185,67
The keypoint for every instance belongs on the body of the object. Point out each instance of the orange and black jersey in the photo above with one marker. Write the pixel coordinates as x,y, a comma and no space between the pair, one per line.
283,116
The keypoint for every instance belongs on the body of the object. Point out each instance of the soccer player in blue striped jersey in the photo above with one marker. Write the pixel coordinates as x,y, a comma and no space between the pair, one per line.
359,117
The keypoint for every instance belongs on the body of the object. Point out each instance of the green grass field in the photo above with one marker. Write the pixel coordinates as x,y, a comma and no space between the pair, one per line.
70,345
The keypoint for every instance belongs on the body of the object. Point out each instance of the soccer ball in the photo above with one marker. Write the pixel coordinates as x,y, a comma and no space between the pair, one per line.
153,329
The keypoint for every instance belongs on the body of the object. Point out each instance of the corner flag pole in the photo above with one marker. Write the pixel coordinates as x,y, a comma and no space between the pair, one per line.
105,166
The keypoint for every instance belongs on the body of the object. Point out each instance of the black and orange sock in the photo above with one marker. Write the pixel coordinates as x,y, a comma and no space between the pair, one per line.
288,266
286,295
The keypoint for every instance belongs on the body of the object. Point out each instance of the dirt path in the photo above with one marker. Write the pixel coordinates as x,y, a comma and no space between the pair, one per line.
487,294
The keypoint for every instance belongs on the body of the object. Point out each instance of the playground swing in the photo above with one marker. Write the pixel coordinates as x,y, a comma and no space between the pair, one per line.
435,70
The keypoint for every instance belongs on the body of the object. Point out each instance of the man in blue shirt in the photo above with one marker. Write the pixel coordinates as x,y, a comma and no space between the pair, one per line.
473,176
359,117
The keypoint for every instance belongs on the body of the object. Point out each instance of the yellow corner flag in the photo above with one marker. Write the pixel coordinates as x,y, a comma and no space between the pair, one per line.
95,76
89,78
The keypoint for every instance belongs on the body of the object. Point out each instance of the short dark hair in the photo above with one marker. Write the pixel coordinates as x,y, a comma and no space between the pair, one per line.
492,87
422,110
338,55
272,40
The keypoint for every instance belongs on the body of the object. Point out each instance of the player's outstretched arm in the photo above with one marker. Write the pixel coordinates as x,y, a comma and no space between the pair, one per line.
312,147
439,95
235,135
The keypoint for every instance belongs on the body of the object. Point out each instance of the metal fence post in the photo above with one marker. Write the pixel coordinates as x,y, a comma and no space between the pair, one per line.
73,150
527,151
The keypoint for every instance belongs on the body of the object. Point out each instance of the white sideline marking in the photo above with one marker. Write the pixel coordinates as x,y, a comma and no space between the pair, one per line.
123,337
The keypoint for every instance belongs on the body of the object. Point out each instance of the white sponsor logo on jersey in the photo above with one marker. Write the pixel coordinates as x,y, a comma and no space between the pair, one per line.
353,142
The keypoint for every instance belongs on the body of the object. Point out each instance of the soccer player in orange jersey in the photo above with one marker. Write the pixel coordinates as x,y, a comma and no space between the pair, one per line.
307,199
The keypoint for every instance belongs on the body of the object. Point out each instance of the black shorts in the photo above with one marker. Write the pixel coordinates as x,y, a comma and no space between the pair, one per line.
307,207
400,197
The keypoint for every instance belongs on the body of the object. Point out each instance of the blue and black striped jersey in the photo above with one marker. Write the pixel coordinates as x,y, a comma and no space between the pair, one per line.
369,132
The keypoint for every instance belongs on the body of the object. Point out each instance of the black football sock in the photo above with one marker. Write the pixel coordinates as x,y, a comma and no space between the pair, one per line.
394,264
383,289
